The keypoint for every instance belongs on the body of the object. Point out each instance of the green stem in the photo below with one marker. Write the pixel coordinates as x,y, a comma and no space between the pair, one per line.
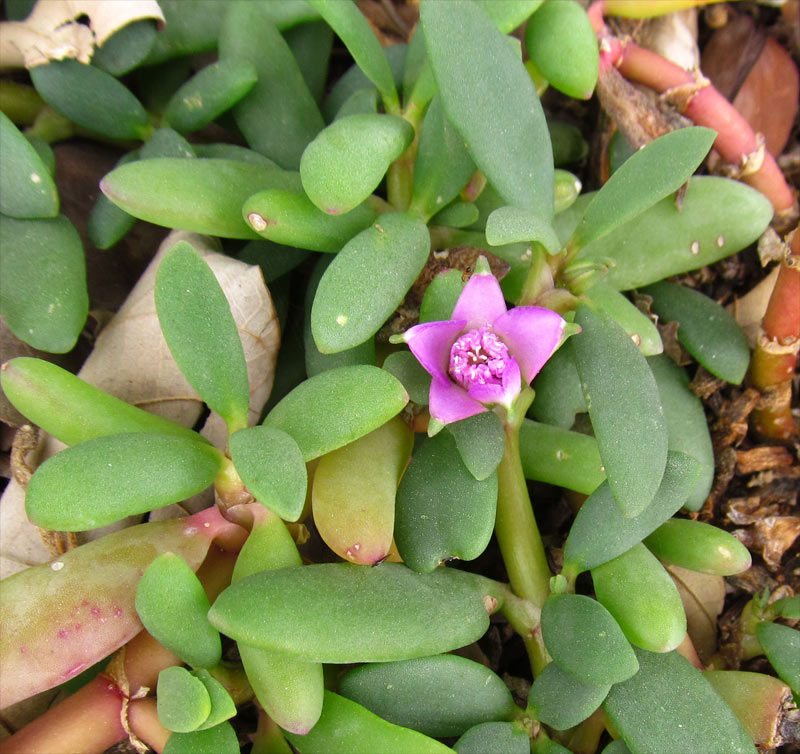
517,533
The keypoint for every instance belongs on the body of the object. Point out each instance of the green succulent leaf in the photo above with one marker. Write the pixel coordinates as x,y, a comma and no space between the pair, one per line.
311,44
279,116
271,465
440,296
600,532
91,98
348,159
209,93
494,738
625,409
669,706
106,479
43,294
559,395
346,727
172,605
40,390
354,493
562,45
648,176
221,739
706,330
289,217
442,510
699,547
585,640
480,440
367,280
416,381
201,333
342,613
509,14
559,457
781,645
687,427
203,195
107,223
336,407
443,165
718,217
439,696
126,48
457,215
511,224
637,324
352,28
183,701
640,594
489,97
222,705
26,187
561,701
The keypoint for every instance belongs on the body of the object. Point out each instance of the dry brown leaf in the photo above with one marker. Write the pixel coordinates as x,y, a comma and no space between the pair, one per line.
703,596
131,360
52,32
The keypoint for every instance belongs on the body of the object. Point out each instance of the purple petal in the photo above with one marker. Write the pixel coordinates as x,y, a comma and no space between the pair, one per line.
504,394
481,302
449,403
532,334
431,343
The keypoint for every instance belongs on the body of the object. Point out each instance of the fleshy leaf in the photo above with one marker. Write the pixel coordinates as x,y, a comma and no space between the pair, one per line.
91,98
367,281
183,701
625,409
561,700
197,323
440,296
279,116
559,395
645,178
222,705
439,696
510,224
480,441
781,645
416,381
354,493
348,159
443,165
203,195
172,605
342,613
26,187
494,738
40,390
353,29
209,93
585,641
706,330
442,510
687,427
271,465
489,97
562,45
699,547
106,479
221,739
337,407
289,217
639,593
600,532
669,706
717,218
638,325
560,457
43,294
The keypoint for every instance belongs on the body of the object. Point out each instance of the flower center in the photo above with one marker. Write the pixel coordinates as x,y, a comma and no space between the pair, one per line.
478,356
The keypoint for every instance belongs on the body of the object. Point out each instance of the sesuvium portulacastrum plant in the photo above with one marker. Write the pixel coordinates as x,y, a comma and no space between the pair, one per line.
406,459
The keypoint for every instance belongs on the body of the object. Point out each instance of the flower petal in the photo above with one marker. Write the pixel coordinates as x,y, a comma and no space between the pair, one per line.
431,343
481,302
504,394
532,335
449,403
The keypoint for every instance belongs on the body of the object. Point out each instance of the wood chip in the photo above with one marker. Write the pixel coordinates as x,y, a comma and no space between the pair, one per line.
763,458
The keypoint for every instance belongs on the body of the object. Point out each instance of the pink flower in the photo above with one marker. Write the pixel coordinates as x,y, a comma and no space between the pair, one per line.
480,357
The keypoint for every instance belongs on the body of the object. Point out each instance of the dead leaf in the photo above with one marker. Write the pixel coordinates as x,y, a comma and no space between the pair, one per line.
703,596
763,458
52,30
